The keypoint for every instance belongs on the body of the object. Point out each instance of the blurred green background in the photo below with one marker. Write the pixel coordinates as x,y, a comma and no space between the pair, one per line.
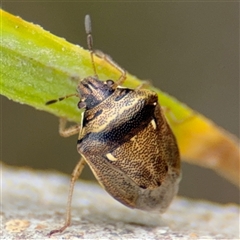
188,49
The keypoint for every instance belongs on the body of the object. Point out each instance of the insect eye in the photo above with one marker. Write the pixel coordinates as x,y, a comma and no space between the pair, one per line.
110,83
81,105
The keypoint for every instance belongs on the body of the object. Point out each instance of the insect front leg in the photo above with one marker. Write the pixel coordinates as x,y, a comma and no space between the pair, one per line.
67,132
109,60
75,175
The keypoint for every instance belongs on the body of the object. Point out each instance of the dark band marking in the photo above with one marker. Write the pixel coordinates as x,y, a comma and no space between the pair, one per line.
123,93
86,86
79,141
125,131
86,121
93,100
90,83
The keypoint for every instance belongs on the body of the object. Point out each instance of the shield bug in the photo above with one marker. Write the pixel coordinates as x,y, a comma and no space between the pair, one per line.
125,139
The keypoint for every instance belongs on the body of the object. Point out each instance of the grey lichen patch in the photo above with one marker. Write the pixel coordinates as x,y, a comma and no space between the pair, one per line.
33,204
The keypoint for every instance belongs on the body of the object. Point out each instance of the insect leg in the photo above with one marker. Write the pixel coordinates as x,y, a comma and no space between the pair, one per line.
172,117
109,60
75,175
67,132
144,84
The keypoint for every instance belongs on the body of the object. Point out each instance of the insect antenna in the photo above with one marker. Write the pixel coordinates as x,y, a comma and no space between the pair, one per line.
61,98
88,29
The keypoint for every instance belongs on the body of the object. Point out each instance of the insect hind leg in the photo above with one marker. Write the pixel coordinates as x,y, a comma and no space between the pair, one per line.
75,175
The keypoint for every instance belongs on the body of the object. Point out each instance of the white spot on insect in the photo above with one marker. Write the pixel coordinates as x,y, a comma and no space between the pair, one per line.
133,138
154,103
154,124
111,157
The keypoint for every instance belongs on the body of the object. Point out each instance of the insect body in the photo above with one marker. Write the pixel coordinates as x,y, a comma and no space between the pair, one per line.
127,142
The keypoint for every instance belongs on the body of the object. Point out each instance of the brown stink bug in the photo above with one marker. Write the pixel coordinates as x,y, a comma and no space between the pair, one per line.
126,140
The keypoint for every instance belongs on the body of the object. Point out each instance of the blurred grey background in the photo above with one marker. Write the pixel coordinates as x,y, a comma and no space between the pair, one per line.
188,49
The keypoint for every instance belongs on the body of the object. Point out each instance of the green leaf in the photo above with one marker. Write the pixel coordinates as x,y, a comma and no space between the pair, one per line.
37,66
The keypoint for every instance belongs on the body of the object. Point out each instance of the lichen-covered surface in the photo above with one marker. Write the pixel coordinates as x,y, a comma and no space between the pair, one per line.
33,204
